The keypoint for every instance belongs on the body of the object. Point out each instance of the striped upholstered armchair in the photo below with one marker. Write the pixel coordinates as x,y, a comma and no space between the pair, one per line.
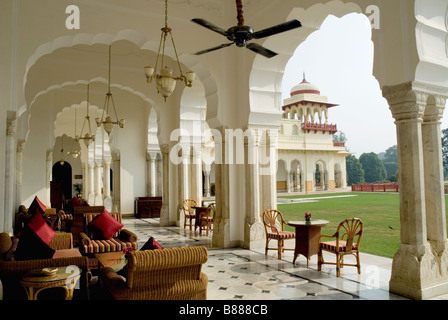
166,274
92,242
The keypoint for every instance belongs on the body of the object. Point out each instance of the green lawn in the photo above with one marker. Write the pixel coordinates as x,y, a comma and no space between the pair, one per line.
378,211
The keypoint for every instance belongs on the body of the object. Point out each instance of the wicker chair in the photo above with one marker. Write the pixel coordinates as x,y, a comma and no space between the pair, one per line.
12,271
167,274
187,207
275,230
206,219
349,229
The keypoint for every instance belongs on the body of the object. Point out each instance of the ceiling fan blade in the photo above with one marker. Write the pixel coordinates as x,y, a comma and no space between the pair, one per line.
210,26
261,50
293,24
214,48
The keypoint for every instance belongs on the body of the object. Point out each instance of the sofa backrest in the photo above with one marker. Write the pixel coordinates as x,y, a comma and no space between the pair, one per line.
146,268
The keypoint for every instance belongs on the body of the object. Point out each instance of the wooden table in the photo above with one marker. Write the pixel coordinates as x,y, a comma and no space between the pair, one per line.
307,237
65,277
114,260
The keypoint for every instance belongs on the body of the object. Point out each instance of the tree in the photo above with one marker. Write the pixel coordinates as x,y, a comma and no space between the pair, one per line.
445,151
391,155
374,170
355,173
390,161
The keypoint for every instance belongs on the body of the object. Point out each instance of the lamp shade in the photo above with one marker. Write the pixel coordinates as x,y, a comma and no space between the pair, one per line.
190,76
165,82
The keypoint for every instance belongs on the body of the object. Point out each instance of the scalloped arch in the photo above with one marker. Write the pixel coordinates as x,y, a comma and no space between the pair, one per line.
142,42
265,82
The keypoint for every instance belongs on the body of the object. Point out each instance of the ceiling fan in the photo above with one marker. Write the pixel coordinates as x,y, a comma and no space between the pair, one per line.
241,34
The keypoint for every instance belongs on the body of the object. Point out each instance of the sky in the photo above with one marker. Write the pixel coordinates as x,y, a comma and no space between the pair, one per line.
338,58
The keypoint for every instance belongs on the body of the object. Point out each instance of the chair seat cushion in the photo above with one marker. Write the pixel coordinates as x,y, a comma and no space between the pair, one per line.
109,245
282,235
331,245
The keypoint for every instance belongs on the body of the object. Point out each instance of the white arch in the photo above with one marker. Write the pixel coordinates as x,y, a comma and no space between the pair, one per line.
141,41
266,76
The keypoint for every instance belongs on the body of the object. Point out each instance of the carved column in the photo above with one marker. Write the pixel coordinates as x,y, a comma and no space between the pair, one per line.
164,213
19,173
152,178
415,269
196,174
48,175
91,183
116,192
183,182
207,170
10,153
98,176
106,183
268,168
254,229
221,224
434,180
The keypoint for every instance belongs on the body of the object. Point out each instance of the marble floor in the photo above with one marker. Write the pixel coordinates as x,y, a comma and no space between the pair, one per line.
240,274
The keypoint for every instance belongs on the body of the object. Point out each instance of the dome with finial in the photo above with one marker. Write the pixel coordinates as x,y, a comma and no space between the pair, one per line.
305,87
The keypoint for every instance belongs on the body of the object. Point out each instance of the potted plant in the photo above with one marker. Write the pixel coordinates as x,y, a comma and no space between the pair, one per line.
78,189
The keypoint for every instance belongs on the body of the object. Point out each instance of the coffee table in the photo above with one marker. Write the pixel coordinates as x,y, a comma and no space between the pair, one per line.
65,277
114,260
307,237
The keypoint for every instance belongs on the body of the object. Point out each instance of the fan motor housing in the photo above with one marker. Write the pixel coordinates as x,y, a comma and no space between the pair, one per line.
240,35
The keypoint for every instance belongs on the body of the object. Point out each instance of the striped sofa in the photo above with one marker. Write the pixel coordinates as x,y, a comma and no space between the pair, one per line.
166,274
122,239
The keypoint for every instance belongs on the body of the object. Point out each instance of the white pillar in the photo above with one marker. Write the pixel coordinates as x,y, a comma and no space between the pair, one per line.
416,270
196,176
165,213
98,176
19,172
48,176
152,177
10,153
91,183
206,169
253,229
107,201
116,192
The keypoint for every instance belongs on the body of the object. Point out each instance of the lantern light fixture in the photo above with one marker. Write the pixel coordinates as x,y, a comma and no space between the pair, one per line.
165,81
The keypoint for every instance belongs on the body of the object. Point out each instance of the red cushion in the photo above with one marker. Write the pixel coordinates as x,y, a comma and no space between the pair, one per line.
41,228
106,224
76,202
37,206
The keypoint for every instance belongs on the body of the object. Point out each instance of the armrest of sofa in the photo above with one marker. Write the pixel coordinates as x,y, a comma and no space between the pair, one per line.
84,240
127,236
61,240
113,281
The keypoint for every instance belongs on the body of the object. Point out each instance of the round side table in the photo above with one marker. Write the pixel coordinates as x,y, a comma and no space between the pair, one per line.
65,277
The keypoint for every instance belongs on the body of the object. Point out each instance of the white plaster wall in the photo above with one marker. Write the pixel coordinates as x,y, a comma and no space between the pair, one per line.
132,143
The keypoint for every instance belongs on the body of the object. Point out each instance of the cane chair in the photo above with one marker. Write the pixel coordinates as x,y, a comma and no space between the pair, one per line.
274,226
351,231
189,213
206,218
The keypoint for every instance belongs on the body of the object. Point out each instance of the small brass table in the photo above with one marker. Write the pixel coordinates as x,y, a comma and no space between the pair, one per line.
307,237
65,277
